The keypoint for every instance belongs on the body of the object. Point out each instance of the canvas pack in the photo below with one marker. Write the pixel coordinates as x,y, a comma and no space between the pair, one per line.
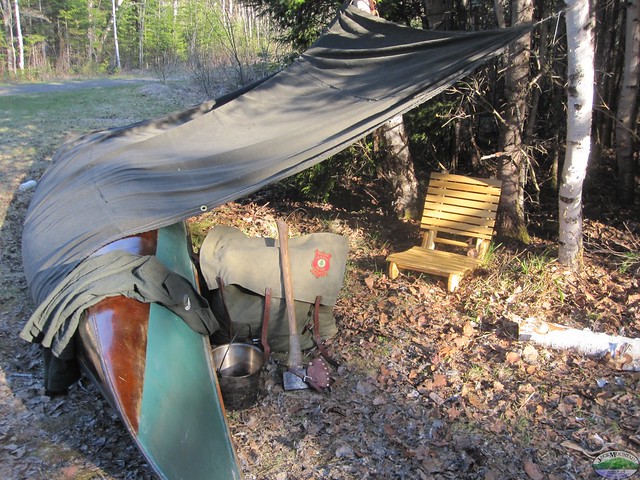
245,284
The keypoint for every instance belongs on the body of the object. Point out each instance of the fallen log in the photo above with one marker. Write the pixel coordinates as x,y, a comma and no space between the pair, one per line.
622,353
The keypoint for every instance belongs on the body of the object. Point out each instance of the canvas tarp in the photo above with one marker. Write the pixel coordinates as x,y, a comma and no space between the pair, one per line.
110,184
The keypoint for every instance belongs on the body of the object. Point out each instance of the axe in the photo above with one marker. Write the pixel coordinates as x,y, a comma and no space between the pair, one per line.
297,377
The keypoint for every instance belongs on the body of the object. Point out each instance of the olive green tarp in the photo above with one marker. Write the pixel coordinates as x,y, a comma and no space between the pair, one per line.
110,184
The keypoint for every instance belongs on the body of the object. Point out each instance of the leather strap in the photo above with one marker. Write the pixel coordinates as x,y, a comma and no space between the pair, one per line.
316,333
265,324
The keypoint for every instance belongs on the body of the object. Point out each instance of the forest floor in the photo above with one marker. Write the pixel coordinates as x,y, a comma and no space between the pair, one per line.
431,384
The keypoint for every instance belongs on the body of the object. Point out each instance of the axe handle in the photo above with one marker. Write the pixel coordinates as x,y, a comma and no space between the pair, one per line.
295,352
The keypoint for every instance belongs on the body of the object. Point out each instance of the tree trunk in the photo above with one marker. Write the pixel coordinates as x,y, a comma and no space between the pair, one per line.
540,80
91,32
621,353
19,35
115,35
7,20
398,164
399,169
434,13
498,9
510,222
612,52
104,35
579,113
627,104
141,22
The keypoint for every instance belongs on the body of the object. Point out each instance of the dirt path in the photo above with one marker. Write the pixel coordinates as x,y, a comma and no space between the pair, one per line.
68,85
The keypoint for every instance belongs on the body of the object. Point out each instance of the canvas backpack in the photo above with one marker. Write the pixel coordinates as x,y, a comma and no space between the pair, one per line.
239,270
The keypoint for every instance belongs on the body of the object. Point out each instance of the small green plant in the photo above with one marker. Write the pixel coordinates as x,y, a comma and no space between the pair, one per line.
630,262
523,429
476,372
490,254
534,264
559,289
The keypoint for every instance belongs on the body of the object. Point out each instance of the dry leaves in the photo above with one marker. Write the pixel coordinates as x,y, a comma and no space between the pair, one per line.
432,385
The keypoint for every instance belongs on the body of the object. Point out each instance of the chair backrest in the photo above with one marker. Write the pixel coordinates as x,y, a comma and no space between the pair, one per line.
460,205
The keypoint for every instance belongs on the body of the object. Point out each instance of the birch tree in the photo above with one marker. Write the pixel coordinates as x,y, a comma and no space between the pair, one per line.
115,34
19,36
627,105
579,112
91,31
7,21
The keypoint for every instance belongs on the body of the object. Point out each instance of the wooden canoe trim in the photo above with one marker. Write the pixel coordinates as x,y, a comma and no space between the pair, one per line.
117,327
113,339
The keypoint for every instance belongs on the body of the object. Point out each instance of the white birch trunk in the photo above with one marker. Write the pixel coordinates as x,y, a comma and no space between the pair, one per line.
91,32
622,353
363,5
142,6
104,36
627,103
19,35
115,34
579,113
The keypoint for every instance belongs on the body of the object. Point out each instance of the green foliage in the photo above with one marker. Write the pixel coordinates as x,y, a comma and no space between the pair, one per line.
490,254
322,180
431,132
301,21
533,263
630,262
525,283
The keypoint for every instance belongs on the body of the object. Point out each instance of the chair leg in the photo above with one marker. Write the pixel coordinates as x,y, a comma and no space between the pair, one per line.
453,282
393,270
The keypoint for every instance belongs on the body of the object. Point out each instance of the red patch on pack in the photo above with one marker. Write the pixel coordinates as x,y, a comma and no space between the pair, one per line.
320,264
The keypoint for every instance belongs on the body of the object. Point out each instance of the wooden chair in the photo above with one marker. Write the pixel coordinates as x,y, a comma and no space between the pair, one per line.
464,210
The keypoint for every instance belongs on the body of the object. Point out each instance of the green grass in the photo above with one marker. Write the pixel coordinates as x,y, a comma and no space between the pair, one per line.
490,255
80,110
630,262
476,372
34,126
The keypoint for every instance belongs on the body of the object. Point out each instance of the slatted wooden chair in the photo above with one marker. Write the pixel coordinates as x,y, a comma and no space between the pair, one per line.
461,208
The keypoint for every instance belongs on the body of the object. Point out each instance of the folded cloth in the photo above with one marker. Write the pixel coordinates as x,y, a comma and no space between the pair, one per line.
141,277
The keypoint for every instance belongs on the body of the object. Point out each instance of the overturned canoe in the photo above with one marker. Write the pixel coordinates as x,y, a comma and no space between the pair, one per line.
158,373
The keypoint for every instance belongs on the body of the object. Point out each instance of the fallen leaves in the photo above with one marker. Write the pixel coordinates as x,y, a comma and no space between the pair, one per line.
439,380
512,358
433,386
532,470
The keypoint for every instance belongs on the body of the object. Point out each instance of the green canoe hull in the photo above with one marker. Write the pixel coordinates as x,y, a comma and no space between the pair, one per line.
158,373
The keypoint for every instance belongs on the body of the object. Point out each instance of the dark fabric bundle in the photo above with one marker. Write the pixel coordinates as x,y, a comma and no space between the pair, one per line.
143,278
